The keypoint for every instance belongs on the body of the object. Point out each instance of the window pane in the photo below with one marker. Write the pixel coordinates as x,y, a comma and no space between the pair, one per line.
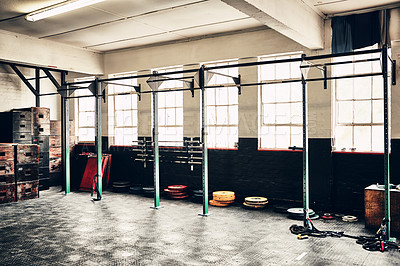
377,111
362,112
86,104
232,136
282,137
233,95
134,118
119,118
169,99
295,70
161,117
269,113
343,137
221,134
345,69
222,115
296,113
179,98
222,96
283,92
161,99
127,118
345,112
283,69
297,136
123,102
296,92
211,136
268,93
362,88
362,138
268,137
268,72
344,89
86,134
233,115
210,96
377,83
283,113
170,116
179,116
86,119
377,138
211,117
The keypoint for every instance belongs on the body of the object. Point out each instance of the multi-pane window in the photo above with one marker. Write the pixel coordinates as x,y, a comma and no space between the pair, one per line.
122,110
85,113
280,104
222,108
170,109
358,122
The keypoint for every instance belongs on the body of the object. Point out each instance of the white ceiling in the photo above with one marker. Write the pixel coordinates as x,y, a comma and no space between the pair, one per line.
118,24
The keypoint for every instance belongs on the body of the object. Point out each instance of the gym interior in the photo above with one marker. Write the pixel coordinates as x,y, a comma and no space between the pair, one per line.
199,132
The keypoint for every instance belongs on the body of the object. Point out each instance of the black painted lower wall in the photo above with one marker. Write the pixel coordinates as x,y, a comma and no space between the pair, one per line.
337,180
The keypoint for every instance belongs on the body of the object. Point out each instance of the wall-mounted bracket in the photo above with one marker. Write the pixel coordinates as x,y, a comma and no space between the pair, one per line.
138,90
393,72
237,82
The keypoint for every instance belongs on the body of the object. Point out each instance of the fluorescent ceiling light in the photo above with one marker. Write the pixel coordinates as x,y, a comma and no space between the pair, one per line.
59,9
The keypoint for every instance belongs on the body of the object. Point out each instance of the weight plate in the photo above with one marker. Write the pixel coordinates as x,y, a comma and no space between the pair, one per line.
253,206
121,183
300,217
216,203
256,200
148,189
177,187
178,197
299,211
256,203
223,194
280,209
224,201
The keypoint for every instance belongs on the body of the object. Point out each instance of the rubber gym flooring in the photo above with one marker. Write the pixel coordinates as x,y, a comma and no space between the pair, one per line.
122,230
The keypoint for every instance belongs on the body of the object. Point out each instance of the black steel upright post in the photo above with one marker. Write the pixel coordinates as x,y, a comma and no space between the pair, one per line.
386,133
306,195
37,86
204,135
65,135
98,140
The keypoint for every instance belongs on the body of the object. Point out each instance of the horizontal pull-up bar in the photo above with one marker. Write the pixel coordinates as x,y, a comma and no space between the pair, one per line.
167,79
342,63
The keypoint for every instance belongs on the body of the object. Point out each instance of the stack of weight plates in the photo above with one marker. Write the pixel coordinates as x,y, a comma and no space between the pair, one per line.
148,191
135,189
298,214
120,186
177,192
255,202
197,195
222,198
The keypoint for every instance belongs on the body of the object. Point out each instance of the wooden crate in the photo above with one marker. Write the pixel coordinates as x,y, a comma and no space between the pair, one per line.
7,152
55,165
55,152
27,153
41,129
27,190
7,179
27,172
41,115
22,137
375,208
55,141
7,193
7,167
55,127
42,141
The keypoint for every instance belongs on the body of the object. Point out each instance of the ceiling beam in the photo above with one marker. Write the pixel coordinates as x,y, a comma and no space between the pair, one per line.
292,18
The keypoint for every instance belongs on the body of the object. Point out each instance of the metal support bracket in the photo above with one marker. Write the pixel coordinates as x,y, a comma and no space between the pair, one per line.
23,78
138,90
51,78
393,72
237,82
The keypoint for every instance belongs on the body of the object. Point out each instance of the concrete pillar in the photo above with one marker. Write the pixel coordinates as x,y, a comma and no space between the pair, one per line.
248,101
144,108
191,108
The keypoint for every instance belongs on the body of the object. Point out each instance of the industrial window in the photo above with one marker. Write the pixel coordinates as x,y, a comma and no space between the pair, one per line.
170,109
122,111
280,104
85,113
358,108
222,108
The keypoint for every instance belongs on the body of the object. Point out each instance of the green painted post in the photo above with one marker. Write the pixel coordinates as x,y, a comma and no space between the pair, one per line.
156,164
306,192
204,133
98,140
386,158
65,135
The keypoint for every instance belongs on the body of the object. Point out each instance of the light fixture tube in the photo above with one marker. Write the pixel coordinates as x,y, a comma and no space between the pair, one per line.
59,9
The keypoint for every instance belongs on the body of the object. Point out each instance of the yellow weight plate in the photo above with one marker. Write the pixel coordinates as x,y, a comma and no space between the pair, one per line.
223,193
253,206
216,203
256,199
